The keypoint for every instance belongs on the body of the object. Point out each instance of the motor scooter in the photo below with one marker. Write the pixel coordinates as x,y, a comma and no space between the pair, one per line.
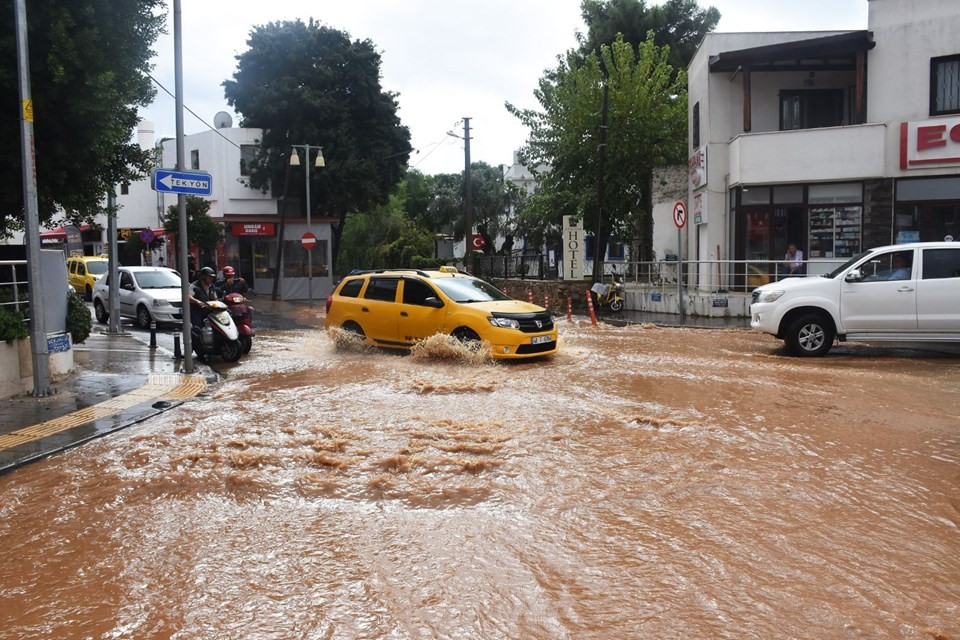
242,313
608,295
218,335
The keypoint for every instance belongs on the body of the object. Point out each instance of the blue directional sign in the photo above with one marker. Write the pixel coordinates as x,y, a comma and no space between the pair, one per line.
192,183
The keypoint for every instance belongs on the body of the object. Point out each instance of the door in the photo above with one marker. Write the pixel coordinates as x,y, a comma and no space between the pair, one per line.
379,310
126,295
417,320
938,291
886,299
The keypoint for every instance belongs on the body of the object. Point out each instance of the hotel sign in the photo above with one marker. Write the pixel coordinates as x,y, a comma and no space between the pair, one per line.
930,143
573,239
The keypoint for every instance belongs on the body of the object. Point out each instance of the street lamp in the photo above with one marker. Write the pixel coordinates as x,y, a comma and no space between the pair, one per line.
295,162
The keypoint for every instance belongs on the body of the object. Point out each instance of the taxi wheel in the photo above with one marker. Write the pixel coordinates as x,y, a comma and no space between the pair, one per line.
467,337
354,328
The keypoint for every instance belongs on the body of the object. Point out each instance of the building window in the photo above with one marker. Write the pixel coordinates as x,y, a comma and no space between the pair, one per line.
195,159
125,189
945,85
811,109
247,154
695,127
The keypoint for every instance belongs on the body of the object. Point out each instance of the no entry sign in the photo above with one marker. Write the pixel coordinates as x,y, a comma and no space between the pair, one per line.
308,240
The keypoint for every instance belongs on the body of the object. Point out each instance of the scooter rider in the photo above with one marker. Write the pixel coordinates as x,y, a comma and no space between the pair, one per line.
202,291
231,283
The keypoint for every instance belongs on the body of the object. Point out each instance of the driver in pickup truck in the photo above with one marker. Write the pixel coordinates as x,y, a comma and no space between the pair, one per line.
900,268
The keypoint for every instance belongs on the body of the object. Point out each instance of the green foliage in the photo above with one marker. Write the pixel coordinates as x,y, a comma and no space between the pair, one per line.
202,230
311,84
646,128
678,24
88,74
12,324
79,322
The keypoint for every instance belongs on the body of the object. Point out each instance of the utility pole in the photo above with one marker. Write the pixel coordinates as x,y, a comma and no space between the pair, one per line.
182,238
467,198
113,323
38,332
599,251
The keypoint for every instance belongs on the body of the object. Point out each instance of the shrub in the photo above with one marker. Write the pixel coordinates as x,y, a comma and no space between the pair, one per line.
12,324
79,323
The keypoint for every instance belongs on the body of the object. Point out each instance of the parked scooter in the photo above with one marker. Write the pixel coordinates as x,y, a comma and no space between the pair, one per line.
242,313
218,335
608,295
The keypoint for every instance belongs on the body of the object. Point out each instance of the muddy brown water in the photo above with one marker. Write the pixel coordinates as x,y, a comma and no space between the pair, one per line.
643,483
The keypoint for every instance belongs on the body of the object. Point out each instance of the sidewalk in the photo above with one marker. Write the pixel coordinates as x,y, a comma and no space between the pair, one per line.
118,381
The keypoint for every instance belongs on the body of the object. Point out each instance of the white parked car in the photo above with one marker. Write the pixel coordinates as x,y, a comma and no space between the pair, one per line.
906,293
148,294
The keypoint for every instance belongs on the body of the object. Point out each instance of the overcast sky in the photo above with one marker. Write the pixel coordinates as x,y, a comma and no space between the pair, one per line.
446,59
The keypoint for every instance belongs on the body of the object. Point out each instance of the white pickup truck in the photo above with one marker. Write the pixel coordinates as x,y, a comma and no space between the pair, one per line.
906,293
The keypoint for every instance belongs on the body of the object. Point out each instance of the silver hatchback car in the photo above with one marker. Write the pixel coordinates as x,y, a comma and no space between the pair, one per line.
147,294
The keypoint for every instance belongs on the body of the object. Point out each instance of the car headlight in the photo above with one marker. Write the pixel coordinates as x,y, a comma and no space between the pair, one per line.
160,303
505,323
770,296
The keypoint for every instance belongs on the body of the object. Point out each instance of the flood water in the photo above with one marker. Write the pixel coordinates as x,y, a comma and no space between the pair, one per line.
644,483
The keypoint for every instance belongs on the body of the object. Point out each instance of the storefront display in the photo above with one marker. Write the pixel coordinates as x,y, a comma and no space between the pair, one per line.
834,232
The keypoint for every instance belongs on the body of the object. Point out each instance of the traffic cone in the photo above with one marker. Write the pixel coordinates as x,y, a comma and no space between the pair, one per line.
593,316
569,309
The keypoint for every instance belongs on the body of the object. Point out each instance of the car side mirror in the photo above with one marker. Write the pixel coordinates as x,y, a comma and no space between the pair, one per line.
434,302
854,275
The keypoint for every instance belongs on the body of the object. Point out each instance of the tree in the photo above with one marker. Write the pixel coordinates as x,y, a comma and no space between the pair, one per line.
310,84
88,75
202,230
646,128
679,24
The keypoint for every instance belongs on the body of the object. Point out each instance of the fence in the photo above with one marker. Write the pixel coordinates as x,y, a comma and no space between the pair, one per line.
524,267
13,283
714,275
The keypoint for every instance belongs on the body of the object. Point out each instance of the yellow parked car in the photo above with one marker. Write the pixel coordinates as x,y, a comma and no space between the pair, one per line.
84,271
398,308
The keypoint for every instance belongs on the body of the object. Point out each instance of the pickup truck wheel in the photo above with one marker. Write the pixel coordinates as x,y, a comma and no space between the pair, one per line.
809,335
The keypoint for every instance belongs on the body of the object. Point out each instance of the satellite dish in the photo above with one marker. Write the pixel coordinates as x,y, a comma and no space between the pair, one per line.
948,238
222,120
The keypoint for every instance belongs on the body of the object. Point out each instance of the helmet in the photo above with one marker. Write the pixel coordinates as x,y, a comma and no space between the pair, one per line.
228,272
207,271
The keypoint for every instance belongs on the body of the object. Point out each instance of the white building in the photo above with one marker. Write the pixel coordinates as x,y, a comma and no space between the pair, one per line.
836,141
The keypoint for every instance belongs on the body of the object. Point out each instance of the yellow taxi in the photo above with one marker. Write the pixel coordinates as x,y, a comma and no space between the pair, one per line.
397,308
84,271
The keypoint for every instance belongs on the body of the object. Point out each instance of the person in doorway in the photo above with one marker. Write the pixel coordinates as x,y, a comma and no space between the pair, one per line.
202,292
793,264
231,283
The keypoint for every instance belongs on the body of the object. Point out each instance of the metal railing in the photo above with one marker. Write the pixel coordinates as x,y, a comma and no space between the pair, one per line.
715,275
522,266
13,283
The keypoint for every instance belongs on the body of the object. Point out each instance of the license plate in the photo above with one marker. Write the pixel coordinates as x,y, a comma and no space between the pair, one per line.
541,339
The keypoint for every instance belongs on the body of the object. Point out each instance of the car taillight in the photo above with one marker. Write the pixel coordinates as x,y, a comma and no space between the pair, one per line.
329,302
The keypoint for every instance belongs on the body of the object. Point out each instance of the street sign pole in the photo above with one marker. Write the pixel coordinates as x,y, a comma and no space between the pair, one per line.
680,219
182,240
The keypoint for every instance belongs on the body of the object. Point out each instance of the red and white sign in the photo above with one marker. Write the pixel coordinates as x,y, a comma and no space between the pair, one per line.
930,143
252,229
309,241
680,215
697,163
478,243
699,207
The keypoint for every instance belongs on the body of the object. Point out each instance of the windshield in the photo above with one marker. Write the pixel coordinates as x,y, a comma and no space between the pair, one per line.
160,279
97,267
846,265
469,290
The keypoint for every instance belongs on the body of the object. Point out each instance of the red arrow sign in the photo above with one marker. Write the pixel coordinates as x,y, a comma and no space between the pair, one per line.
309,241
680,215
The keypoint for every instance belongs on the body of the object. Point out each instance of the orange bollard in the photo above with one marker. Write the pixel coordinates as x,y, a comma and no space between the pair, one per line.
593,316
530,296
569,309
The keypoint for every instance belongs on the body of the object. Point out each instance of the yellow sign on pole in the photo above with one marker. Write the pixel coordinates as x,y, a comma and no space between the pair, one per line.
28,110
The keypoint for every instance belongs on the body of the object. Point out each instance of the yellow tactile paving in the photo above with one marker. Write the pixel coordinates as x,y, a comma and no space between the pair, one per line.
160,386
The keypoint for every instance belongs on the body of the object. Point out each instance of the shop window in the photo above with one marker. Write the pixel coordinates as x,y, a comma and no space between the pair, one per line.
248,152
296,260
755,195
695,127
945,85
836,193
834,232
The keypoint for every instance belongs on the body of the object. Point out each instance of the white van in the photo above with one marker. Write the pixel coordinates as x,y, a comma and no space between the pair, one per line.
905,293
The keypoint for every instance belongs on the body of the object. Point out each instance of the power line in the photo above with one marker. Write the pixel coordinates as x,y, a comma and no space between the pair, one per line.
202,121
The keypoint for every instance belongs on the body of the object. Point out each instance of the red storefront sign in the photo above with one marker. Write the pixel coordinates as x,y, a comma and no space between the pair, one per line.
930,143
252,229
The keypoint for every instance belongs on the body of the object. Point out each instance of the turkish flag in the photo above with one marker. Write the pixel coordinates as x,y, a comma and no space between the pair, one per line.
478,243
